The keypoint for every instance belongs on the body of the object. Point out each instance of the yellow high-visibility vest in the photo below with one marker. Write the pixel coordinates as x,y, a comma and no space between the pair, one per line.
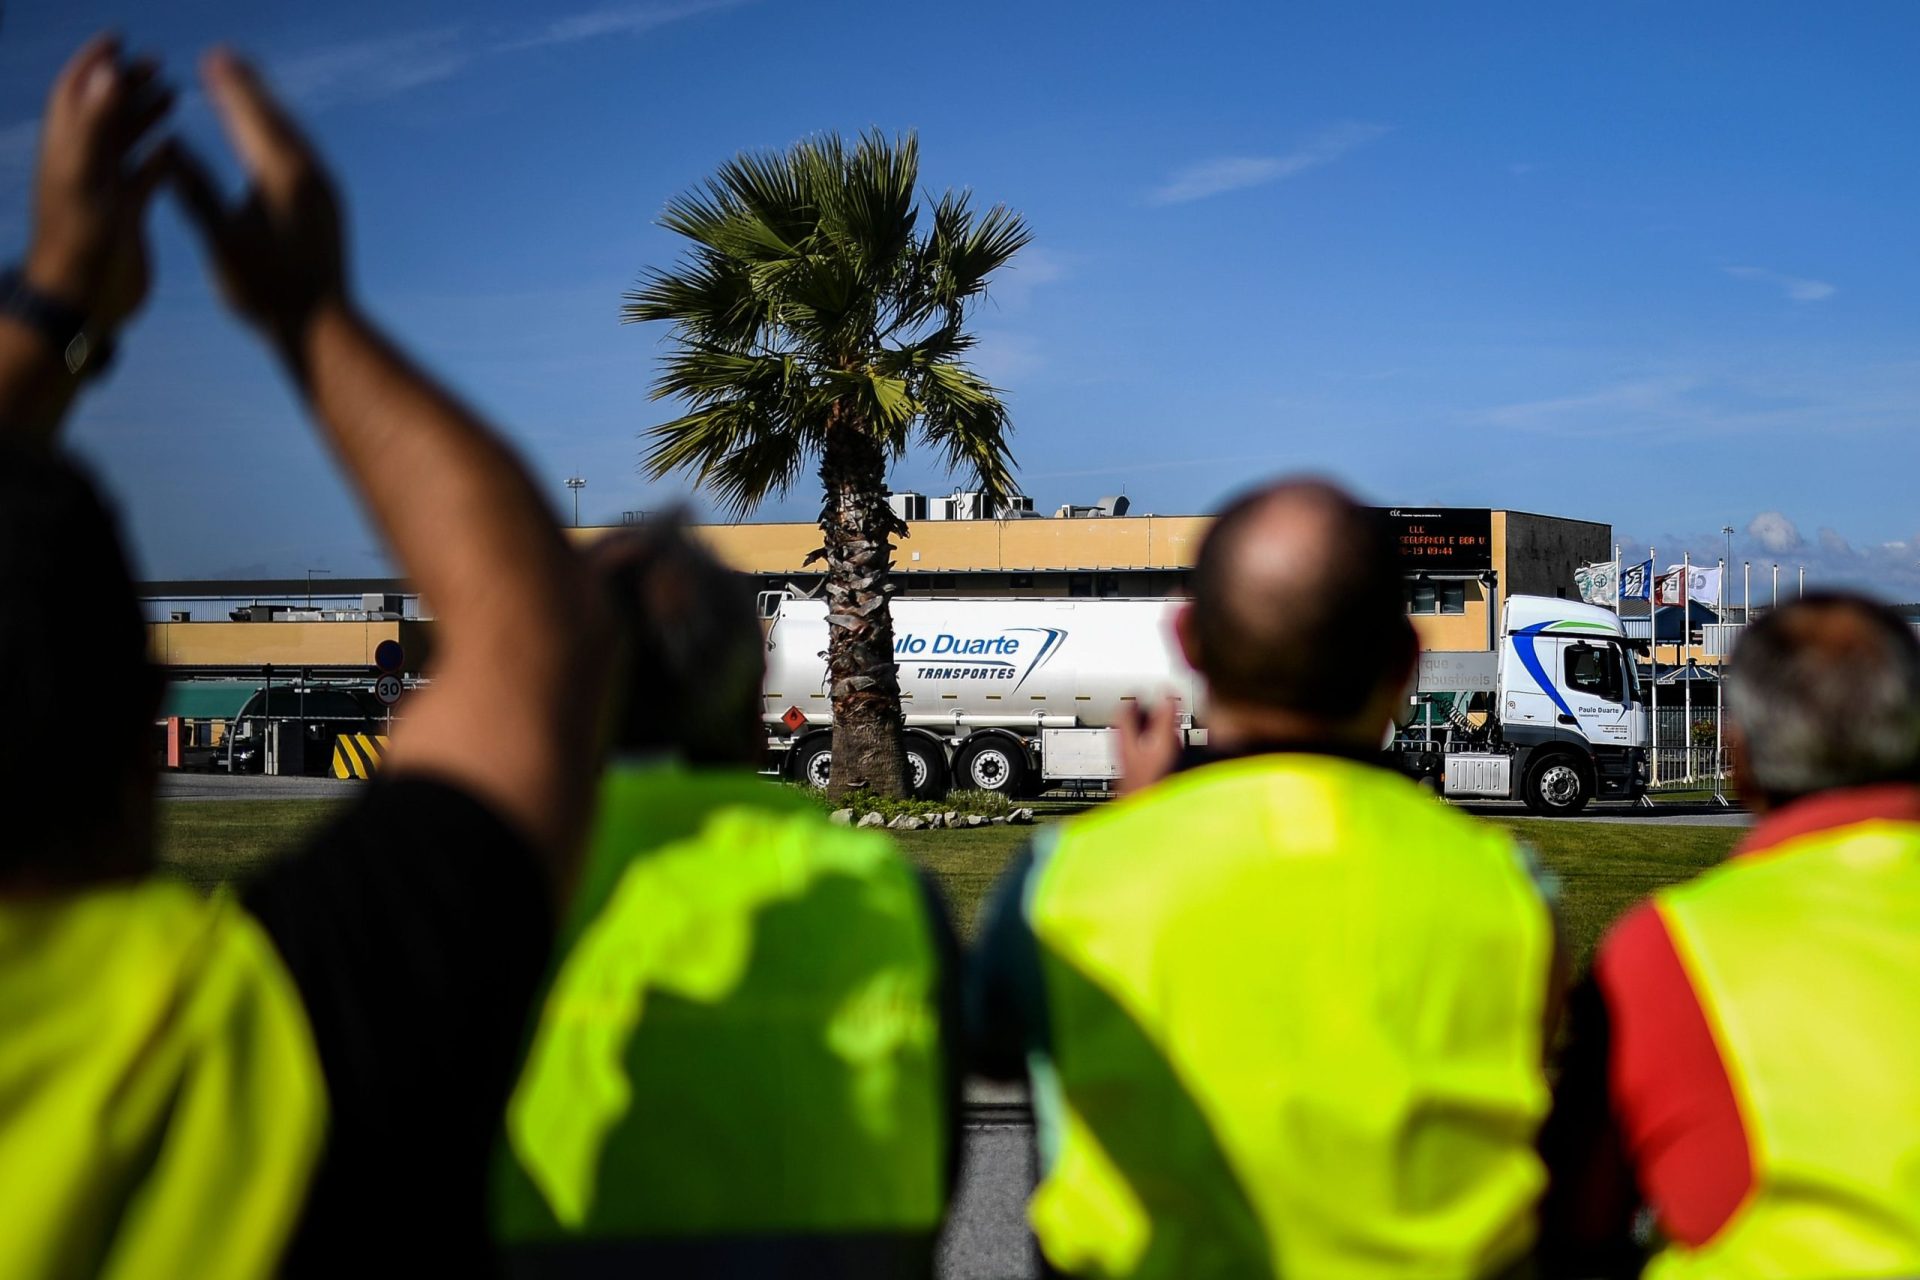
1805,959
743,1034
161,1101
1296,1013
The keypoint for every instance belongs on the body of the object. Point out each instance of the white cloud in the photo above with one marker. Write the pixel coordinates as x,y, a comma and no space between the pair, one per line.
1796,288
1652,402
1774,532
1034,266
1788,396
1005,358
617,20
382,66
1235,173
368,70
1890,570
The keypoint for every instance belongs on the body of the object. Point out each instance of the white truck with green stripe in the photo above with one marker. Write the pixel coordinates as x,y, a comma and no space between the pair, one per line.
1553,717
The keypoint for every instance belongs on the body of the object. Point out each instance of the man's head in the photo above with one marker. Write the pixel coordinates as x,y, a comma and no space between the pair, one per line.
1824,693
1298,621
692,657
83,694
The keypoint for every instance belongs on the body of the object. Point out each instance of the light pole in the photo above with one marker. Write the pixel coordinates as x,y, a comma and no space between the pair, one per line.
1803,583
576,484
1775,603
310,574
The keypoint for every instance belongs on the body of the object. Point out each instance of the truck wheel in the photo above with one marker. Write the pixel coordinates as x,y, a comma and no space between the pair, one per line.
813,766
992,765
1557,787
926,769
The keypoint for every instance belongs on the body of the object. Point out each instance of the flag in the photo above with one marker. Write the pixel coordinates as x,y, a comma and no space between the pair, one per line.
1596,582
1634,579
1668,589
1704,586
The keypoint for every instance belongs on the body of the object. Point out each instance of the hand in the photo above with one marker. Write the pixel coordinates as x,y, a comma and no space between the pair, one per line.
1150,742
278,253
89,200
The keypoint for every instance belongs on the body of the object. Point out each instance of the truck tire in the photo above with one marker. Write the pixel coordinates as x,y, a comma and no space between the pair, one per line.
991,763
1557,787
813,763
926,768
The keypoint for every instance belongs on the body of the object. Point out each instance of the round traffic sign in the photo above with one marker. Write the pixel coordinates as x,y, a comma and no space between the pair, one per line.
388,689
389,656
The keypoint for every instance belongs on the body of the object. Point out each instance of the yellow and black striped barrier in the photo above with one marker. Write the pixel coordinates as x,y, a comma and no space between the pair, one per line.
357,755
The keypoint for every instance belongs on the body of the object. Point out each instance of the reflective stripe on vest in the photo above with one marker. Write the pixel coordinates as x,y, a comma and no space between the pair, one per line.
161,1102
1805,959
744,1034
1296,1014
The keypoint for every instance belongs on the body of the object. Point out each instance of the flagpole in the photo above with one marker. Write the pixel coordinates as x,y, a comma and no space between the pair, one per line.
1686,662
1719,678
1653,650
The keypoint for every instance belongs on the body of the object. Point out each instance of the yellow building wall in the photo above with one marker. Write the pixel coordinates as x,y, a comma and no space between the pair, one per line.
282,644
1125,542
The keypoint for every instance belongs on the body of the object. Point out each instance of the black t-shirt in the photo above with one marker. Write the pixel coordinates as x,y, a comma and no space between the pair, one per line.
417,927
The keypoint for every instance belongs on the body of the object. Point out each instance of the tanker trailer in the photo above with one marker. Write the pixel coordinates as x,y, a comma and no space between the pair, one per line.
1004,694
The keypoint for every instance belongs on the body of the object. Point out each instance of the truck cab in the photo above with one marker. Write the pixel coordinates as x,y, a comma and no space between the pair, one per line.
1553,718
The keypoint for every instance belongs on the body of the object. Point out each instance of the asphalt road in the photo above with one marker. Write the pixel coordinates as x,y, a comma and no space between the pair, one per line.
986,1236
223,786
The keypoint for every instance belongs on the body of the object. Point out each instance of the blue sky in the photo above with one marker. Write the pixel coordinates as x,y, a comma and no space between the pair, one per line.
1639,263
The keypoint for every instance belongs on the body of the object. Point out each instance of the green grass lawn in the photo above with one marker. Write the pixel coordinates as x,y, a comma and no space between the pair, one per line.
207,842
1603,868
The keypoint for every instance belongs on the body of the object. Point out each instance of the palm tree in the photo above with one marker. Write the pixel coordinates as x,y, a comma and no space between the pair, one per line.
815,321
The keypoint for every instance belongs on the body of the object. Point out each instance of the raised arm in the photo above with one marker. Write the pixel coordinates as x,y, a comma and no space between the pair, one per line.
517,672
86,267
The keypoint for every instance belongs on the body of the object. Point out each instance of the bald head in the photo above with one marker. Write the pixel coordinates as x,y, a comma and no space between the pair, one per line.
1297,604
1825,693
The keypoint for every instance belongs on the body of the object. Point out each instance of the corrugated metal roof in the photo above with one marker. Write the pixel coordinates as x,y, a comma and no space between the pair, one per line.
207,699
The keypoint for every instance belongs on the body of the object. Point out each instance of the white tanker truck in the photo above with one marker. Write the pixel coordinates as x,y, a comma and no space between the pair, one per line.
1019,694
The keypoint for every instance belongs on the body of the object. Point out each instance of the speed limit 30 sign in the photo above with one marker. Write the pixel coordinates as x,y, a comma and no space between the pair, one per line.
388,689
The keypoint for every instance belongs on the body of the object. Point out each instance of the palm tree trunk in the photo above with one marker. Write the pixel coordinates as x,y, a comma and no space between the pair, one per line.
857,524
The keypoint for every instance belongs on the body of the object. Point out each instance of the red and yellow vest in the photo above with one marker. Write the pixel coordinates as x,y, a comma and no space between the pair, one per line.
1805,959
1296,1010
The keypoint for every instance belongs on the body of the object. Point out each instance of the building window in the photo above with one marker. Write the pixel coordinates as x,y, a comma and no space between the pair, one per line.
1432,597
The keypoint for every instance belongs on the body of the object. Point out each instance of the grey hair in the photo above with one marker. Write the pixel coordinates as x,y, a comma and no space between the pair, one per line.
1825,692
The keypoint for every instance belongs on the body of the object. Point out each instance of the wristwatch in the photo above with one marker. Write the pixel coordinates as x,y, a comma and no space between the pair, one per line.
83,348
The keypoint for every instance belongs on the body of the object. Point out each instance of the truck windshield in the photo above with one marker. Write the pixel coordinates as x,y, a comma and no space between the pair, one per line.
1624,656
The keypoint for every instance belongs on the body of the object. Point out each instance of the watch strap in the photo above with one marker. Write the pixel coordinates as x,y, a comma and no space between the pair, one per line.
64,327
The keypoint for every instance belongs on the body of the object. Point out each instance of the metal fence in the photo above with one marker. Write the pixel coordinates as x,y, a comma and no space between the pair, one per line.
1689,752
339,746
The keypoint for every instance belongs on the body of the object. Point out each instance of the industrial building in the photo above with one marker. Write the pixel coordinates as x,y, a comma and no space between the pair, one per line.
1460,563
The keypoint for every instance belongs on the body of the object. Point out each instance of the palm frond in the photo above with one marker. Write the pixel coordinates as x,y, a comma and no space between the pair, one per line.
965,420
814,291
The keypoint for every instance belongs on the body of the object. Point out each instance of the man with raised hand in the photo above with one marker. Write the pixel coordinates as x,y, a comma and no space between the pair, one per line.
1741,1060
188,1085
1282,1012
